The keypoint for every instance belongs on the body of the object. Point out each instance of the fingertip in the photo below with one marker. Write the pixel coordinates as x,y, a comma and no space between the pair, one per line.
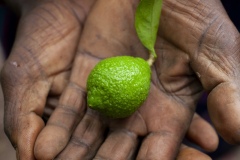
29,129
223,107
187,153
212,144
159,145
50,142
230,135
203,134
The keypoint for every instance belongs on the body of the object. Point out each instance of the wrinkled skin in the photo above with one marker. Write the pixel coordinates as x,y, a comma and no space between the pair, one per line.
59,42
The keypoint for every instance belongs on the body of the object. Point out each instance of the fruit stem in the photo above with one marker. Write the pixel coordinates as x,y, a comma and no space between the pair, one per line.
151,59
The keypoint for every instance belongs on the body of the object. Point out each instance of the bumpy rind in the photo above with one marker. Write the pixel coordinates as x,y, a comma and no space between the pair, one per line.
117,86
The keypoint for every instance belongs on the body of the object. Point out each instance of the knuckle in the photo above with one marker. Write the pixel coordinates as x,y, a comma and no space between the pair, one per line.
80,142
13,74
7,74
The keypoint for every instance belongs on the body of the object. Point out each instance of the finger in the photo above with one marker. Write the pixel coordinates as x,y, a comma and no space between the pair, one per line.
124,135
69,112
63,121
223,106
50,106
86,139
30,126
59,82
203,134
120,144
187,153
166,128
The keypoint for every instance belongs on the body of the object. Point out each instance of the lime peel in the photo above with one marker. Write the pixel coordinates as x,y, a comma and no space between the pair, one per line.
117,86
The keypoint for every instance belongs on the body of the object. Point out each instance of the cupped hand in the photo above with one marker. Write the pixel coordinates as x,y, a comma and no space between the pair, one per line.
38,66
199,47
55,37
197,50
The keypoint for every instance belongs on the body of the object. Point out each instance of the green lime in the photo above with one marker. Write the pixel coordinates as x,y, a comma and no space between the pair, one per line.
117,86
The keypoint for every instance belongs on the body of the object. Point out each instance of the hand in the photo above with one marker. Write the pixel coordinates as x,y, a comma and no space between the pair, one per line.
38,67
36,81
200,132
197,50
198,47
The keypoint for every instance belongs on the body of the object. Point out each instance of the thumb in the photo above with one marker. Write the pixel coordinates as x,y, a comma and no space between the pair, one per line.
26,135
217,66
223,106
22,111
24,98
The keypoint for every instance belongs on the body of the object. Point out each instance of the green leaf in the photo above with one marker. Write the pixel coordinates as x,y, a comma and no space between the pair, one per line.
147,19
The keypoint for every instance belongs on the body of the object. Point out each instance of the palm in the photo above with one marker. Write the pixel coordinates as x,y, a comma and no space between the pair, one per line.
174,91
61,42
145,121
178,79
47,41
183,69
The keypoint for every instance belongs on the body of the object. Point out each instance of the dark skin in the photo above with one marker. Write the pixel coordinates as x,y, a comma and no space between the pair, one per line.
59,42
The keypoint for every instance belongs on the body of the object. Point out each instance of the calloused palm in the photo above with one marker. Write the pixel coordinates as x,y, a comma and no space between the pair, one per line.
59,42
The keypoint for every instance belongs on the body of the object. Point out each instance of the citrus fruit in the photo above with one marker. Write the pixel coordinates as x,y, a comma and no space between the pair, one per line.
117,86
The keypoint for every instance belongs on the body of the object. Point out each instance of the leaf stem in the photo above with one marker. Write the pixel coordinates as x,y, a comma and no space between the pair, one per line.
151,59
